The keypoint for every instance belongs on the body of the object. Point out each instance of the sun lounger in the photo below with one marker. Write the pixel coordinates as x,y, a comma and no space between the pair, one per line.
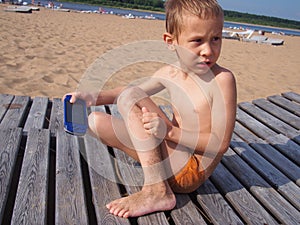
19,9
273,41
264,40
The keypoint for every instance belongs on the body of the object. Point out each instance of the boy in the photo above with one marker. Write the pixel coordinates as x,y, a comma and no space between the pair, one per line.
176,156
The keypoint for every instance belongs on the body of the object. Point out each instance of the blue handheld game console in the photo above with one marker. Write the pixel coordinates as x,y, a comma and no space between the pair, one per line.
75,116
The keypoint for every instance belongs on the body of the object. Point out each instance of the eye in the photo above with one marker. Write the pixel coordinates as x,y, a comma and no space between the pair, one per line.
215,39
197,40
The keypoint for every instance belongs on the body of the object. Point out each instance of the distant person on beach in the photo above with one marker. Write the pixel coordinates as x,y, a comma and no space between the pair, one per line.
179,154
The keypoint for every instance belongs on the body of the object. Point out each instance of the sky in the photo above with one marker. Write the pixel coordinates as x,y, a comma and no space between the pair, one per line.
286,9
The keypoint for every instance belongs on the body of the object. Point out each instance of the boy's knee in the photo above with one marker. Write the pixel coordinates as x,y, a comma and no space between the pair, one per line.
94,119
91,121
130,97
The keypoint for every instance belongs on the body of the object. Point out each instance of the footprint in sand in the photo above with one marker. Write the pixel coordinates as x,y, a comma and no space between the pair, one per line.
48,79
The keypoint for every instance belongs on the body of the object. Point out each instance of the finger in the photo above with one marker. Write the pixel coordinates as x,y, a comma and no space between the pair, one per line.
146,119
73,99
147,126
145,110
63,98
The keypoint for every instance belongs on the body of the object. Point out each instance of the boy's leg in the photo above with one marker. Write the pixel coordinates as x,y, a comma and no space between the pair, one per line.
156,194
104,127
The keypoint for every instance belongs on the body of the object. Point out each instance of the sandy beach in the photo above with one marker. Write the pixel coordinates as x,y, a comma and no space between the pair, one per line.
46,53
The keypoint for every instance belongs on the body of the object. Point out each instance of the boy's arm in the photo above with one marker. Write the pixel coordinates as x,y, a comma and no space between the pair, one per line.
107,97
95,98
223,119
150,87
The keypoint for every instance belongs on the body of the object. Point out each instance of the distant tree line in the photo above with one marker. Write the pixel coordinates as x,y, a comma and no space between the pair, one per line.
152,5
261,20
158,5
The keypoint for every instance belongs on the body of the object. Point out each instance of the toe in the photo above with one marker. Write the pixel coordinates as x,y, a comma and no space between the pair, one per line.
122,213
126,215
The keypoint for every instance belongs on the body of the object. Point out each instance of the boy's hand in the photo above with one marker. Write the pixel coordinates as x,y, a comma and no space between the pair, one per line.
89,98
153,124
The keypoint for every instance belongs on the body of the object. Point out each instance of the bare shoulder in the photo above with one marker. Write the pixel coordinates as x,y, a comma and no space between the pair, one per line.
226,82
166,71
223,75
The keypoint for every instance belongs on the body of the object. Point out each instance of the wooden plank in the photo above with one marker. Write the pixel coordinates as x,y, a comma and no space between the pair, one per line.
292,96
255,126
279,141
278,112
286,104
70,206
5,101
31,200
56,118
270,198
287,147
132,178
185,211
9,146
15,113
215,206
103,181
271,121
242,201
281,162
37,114
270,173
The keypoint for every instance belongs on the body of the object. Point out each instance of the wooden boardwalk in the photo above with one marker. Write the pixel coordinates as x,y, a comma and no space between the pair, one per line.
50,177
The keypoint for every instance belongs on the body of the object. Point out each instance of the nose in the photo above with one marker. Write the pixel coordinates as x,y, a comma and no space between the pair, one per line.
206,50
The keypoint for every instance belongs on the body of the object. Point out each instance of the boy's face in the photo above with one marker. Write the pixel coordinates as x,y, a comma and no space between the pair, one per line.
199,44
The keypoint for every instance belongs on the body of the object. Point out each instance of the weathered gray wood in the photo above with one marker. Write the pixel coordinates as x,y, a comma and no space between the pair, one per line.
132,179
242,201
286,146
247,184
185,211
255,126
15,112
286,104
281,142
292,96
215,206
155,218
103,181
278,112
271,199
270,173
270,121
70,206
31,200
271,154
37,114
56,118
5,101
9,147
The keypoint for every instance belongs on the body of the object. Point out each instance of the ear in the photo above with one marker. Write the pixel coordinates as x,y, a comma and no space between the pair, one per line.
169,40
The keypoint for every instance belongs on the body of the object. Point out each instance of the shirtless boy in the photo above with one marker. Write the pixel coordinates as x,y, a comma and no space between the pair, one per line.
177,156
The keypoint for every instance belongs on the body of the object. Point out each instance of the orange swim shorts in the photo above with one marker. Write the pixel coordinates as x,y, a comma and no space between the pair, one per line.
189,178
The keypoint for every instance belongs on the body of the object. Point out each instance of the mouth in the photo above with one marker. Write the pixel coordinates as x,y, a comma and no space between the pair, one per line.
204,64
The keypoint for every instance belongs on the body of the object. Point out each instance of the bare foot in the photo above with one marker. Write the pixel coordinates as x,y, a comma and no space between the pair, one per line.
150,199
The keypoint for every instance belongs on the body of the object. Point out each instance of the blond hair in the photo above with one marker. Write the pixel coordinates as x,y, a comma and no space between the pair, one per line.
175,9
